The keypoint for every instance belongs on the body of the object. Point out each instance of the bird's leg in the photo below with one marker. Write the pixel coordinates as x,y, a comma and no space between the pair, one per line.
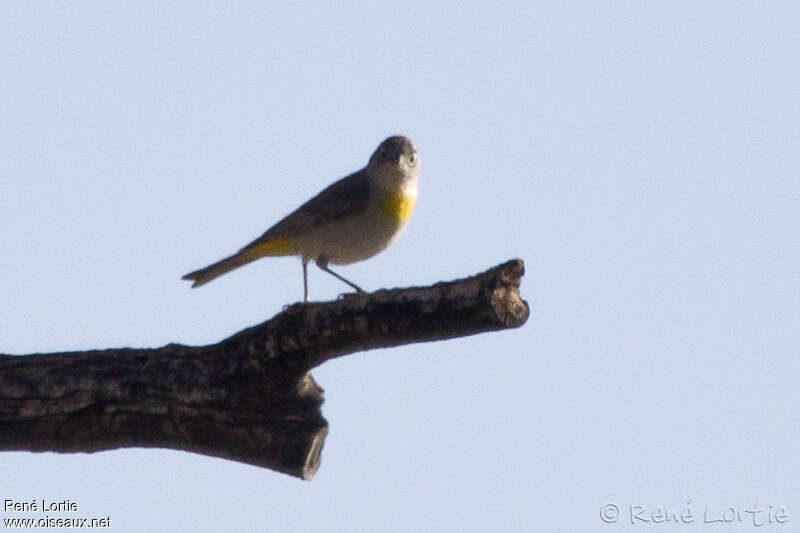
305,280
322,262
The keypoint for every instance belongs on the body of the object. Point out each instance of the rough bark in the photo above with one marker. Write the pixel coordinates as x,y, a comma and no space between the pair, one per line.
248,398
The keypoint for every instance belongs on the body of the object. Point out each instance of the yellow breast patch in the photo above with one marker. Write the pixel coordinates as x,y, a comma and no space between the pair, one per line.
399,205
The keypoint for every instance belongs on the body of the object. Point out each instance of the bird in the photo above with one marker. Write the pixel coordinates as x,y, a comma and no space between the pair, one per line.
351,220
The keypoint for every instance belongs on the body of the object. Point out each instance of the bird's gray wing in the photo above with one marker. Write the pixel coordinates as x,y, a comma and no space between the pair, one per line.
342,198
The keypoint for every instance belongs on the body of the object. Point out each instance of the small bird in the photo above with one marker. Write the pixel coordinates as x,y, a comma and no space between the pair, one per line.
349,221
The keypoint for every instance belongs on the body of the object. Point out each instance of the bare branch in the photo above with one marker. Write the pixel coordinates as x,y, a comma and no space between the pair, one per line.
250,397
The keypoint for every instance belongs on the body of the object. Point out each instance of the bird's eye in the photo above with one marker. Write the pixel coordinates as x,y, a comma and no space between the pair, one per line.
413,159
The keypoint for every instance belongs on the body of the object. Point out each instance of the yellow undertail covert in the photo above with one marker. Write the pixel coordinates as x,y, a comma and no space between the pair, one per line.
277,246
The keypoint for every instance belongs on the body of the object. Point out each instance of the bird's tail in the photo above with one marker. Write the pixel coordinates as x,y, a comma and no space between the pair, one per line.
261,247
204,275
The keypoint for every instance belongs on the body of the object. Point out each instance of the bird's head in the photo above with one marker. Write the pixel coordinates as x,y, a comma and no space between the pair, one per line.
395,162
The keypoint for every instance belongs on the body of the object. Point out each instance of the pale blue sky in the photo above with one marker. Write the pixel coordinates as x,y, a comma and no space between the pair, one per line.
642,159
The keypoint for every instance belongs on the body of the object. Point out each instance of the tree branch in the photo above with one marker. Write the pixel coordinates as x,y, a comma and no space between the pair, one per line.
250,397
